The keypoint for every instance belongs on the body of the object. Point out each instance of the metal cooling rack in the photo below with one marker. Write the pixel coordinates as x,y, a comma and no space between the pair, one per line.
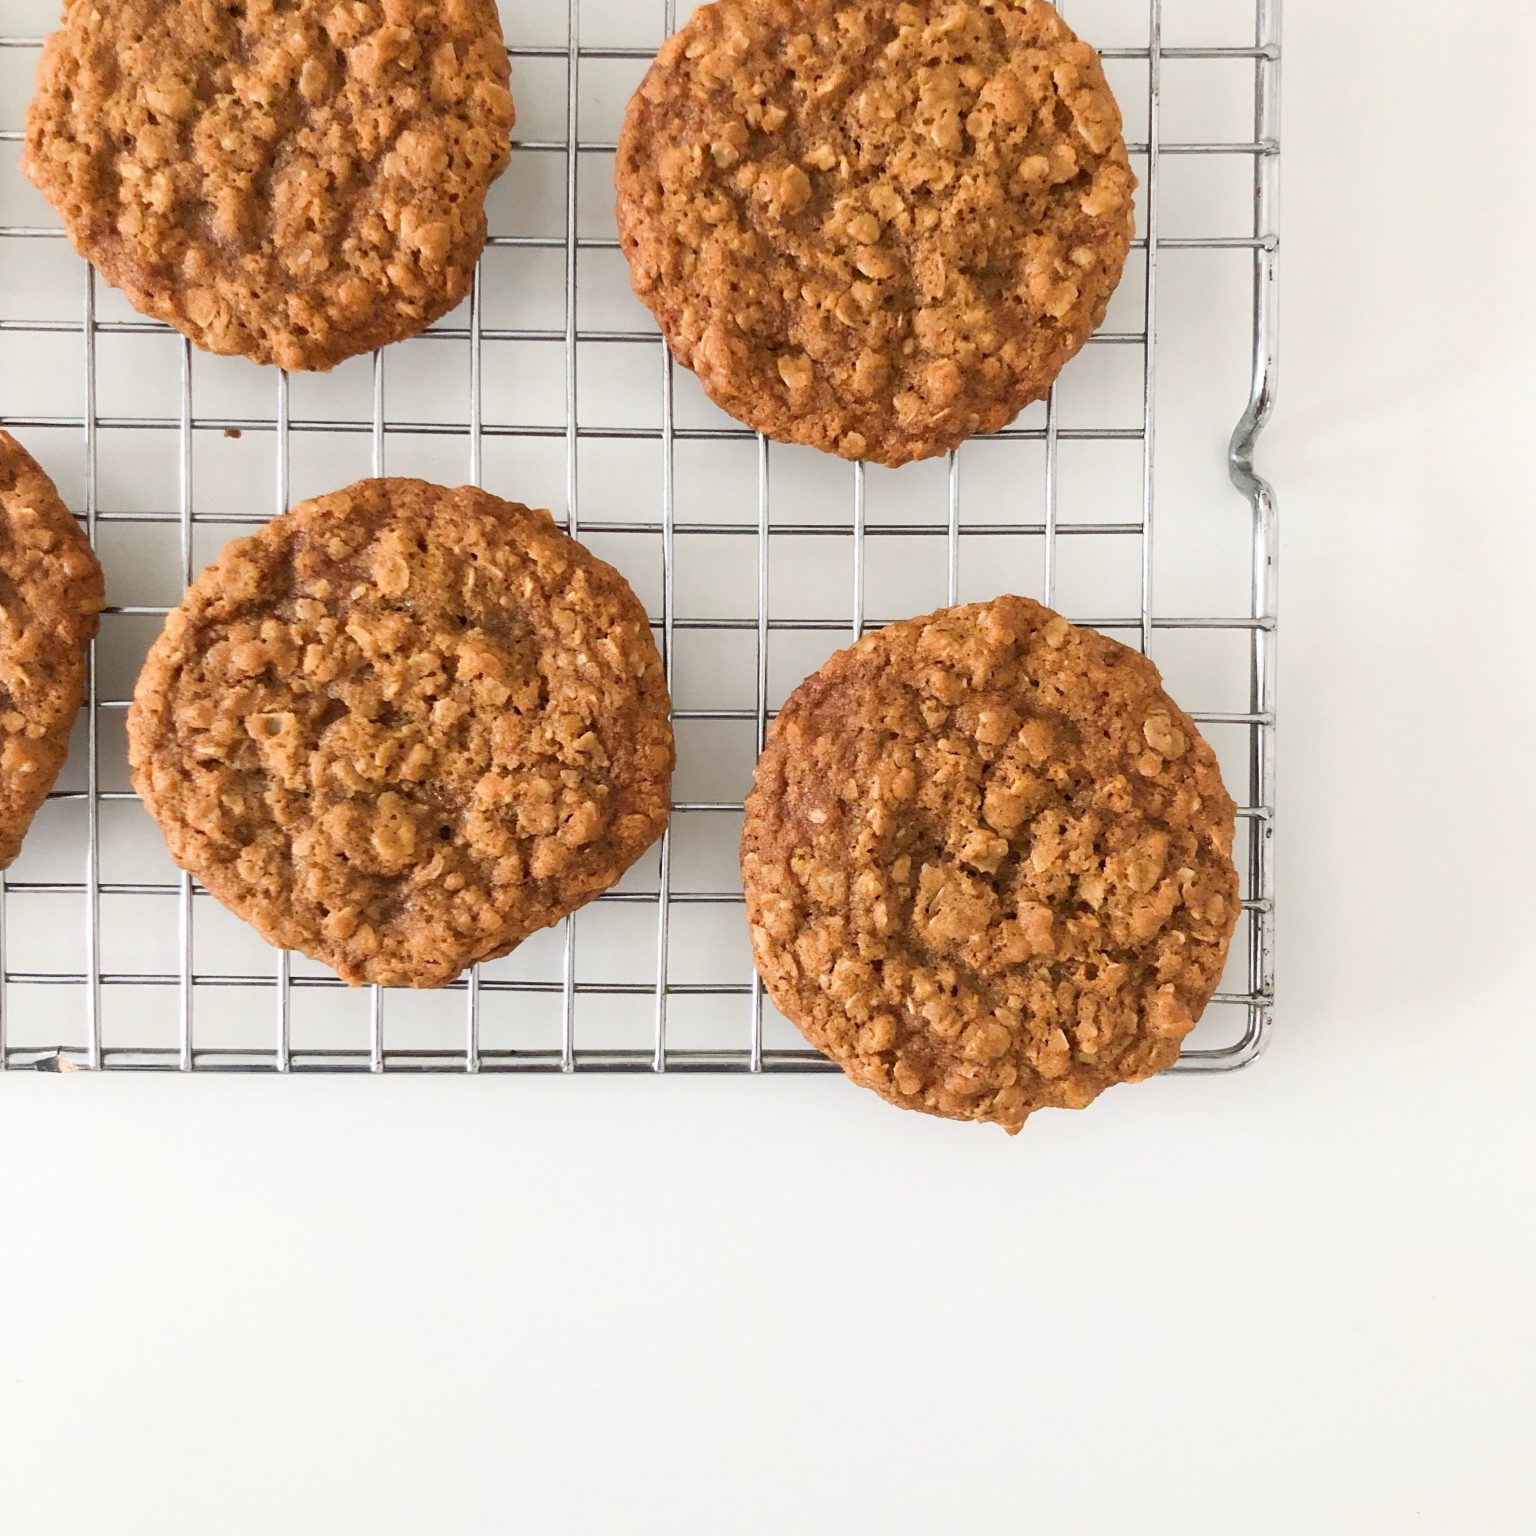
109,958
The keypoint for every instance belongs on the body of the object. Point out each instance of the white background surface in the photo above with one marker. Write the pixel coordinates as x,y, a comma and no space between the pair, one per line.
1297,1299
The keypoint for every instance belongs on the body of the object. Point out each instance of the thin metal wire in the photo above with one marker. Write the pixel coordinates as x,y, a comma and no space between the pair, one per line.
376,424
572,445
857,624
1265,572
527,51
602,243
447,333
1092,621
284,1044
664,869
872,529
605,147
184,895
1257,721
1052,439
244,424
952,529
376,1058
158,980
476,469
232,1059
93,724
1266,558
1149,314
668,609
760,709
476,378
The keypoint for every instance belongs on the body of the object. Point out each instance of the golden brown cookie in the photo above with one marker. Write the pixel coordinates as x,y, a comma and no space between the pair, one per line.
988,863
51,597
293,180
402,727
871,225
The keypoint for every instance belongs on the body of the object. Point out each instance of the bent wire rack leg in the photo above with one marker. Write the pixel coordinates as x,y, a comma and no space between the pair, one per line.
1265,574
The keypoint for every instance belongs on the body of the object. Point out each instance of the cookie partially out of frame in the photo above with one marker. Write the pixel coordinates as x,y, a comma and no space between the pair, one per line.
401,727
51,596
296,181
988,863
871,225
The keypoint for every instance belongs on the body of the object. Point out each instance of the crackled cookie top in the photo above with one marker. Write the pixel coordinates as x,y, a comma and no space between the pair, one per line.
870,225
402,727
293,180
988,863
50,601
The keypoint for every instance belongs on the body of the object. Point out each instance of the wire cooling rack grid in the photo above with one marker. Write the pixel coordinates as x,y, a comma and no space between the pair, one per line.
551,386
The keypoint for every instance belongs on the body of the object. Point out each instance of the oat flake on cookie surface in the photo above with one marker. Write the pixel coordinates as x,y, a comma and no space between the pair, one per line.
875,226
402,727
988,863
51,597
296,181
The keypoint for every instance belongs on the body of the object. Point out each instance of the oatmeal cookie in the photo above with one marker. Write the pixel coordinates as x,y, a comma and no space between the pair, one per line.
871,225
50,601
988,863
401,727
296,181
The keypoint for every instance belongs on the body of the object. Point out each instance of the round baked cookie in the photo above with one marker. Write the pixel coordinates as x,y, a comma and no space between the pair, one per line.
401,727
292,180
988,863
874,226
51,595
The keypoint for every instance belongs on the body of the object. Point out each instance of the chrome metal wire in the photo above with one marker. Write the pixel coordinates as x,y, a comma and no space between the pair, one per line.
74,1046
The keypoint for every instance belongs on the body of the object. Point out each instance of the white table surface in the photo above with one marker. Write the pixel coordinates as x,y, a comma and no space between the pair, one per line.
1298,1299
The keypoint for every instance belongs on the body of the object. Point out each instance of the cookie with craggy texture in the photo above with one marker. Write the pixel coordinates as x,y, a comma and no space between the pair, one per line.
51,596
296,181
875,226
988,863
401,727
